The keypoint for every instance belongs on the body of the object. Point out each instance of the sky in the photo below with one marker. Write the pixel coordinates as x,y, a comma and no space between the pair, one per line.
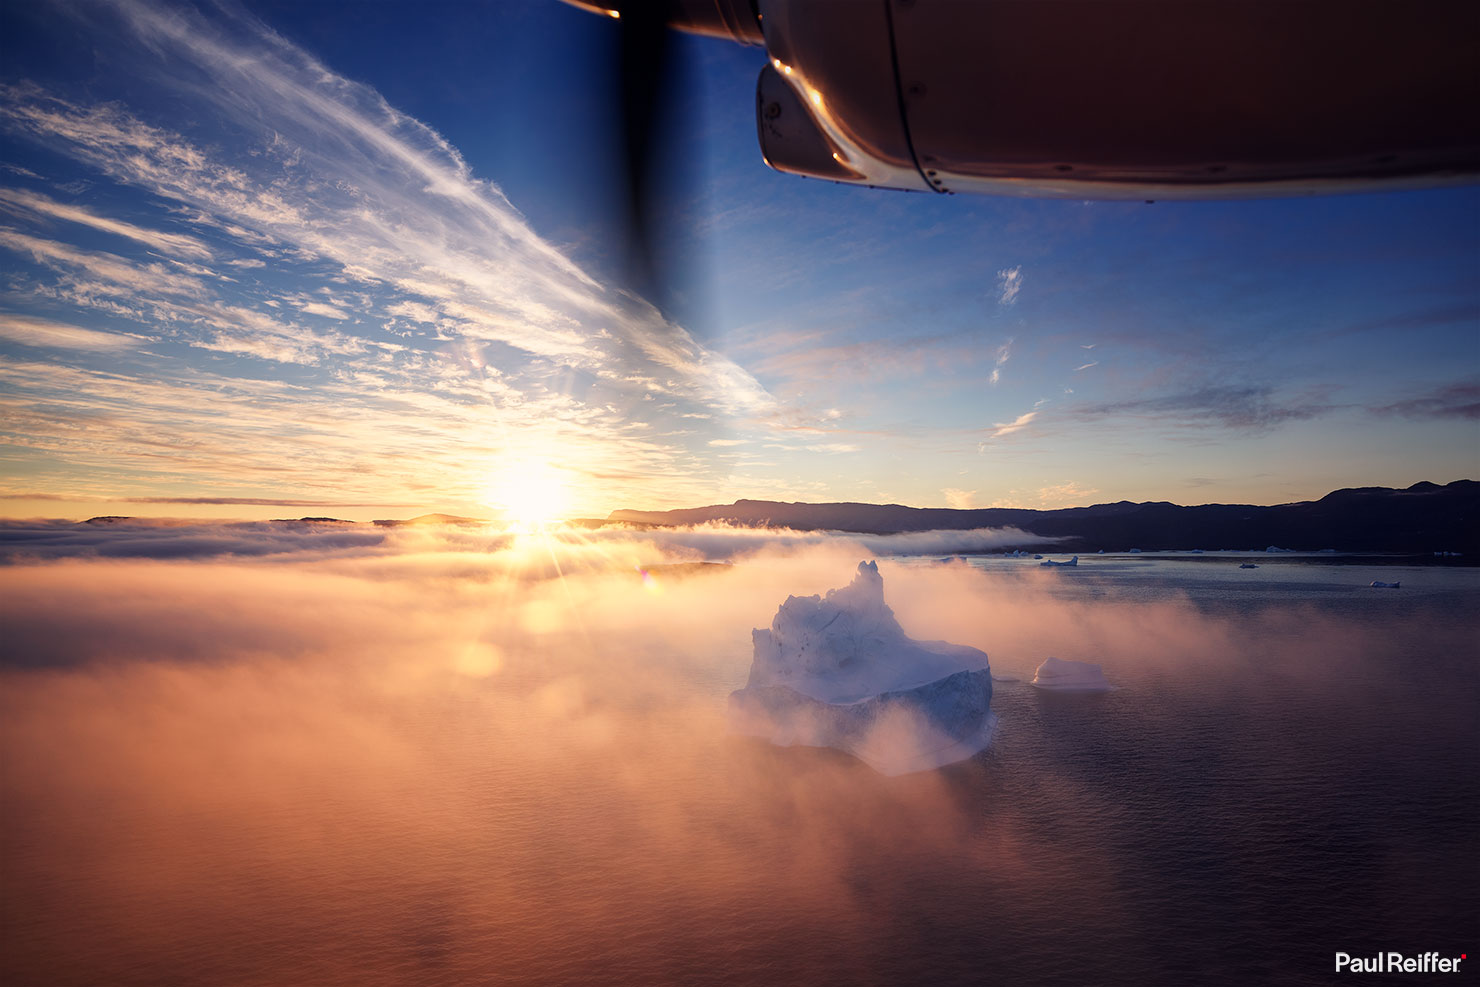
270,260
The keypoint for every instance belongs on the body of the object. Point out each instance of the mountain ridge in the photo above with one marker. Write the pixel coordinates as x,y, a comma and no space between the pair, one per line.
1423,517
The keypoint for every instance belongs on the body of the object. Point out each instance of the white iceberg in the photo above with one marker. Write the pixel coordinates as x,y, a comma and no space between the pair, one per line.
1062,674
838,671
1379,584
1051,562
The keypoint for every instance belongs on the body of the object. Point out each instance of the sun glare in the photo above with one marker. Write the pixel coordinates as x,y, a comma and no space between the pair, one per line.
531,493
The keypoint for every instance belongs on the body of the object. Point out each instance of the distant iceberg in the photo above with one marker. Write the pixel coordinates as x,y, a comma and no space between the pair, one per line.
1051,562
1247,565
1379,584
1061,674
838,671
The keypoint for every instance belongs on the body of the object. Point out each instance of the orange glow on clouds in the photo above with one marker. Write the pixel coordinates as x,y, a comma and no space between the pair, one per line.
512,749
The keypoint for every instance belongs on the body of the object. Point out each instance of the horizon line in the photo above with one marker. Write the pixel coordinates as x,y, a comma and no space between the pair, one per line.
576,517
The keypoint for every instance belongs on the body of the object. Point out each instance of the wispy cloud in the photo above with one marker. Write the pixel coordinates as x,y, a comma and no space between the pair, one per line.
1004,353
170,243
857,361
1463,314
1251,408
958,498
1086,366
1017,424
1009,283
1065,495
118,273
327,311
1461,400
43,332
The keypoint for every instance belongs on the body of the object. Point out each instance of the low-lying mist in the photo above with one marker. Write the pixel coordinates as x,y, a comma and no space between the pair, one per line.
445,754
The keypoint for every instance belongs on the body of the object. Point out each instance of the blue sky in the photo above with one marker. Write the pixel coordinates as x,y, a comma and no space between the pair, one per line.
289,259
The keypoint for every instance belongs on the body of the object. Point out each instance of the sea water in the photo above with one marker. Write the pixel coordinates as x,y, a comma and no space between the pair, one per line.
1293,776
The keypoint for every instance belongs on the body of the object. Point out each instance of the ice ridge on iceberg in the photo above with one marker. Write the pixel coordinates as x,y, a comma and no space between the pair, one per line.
838,671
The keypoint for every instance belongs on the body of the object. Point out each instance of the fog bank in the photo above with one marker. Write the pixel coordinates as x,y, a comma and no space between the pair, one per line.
449,754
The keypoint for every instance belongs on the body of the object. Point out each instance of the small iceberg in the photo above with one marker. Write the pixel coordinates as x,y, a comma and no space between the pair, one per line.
1051,562
1379,584
1064,675
838,671
1247,565
1134,551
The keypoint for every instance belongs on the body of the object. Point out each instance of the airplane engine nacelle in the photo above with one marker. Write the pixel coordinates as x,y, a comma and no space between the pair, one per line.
1107,98
1122,98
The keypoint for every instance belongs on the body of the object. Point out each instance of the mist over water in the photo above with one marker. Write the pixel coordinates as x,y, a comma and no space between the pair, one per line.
449,756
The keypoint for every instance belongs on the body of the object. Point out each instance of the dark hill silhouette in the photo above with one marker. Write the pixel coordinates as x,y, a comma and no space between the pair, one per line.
428,519
1425,517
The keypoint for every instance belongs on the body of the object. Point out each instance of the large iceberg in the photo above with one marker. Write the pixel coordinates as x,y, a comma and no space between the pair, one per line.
838,671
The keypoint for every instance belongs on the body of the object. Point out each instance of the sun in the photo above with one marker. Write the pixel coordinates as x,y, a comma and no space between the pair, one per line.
530,493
